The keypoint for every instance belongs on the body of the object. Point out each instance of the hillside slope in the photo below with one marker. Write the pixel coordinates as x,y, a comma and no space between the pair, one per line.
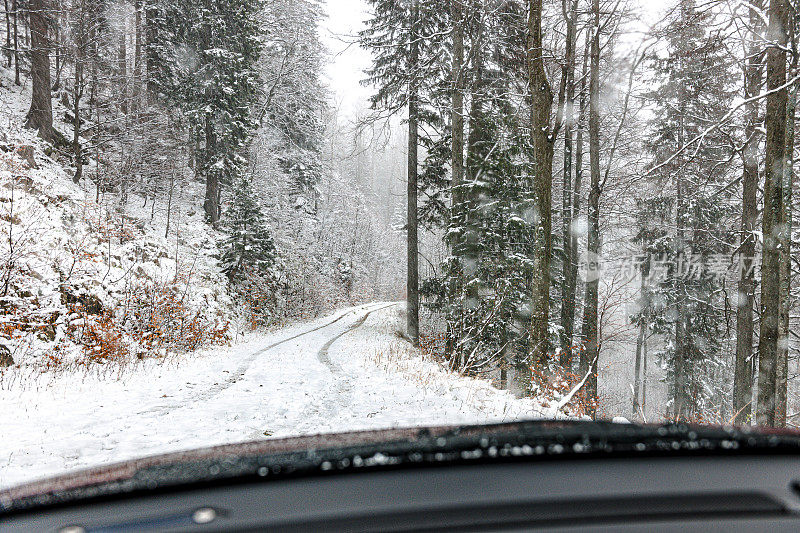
86,274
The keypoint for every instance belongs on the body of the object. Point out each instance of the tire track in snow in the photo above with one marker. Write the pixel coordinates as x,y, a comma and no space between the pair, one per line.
214,390
323,356
339,392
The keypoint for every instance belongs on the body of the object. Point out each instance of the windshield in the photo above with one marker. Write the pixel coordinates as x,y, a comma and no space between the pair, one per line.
242,220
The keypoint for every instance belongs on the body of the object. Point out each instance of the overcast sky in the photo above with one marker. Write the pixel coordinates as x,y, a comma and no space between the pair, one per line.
348,60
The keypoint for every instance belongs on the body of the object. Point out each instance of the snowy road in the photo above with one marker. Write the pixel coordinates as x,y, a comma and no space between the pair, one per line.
346,371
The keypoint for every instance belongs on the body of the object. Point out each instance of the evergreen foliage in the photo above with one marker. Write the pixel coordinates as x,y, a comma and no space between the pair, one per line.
248,248
204,55
685,227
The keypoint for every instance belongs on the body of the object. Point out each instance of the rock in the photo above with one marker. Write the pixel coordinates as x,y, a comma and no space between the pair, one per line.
142,273
25,152
47,333
90,304
26,182
5,356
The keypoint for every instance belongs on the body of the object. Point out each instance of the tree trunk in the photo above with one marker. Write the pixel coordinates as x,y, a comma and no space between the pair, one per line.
590,317
40,115
77,92
122,62
637,371
569,275
412,275
773,212
457,155
8,51
743,371
15,7
138,67
577,186
679,379
151,12
211,205
57,52
782,369
643,403
457,76
542,144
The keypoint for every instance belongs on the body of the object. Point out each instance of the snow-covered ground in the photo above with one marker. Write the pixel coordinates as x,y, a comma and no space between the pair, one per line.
347,371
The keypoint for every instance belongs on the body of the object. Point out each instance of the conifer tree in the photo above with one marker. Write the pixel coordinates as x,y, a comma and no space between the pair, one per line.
404,44
248,248
697,89
204,55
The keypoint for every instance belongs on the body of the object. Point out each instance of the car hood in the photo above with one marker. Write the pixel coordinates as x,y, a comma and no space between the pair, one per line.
327,454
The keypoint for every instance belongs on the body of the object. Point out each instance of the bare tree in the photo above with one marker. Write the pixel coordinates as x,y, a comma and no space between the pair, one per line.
590,317
743,371
570,255
542,140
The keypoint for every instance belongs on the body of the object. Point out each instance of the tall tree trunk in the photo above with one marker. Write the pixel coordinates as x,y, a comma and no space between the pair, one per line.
8,51
412,274
773,211
77,92
743,371
569,275
577,186
457,155
457,75
680,397
57,52
138,66
211,205
151,54
643,403
15,7
637,371
782,369
40,115
679,378
122,62
590,312
542,143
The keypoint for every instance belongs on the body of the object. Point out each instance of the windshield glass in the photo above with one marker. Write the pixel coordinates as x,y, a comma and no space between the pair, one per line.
240,220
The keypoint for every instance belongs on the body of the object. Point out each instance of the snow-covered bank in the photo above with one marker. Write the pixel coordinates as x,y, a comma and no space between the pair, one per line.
341,372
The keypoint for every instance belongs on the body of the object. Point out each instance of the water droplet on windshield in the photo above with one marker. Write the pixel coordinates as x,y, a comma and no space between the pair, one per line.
204,515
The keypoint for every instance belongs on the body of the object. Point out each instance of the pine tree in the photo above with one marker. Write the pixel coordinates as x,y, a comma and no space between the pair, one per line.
248,248
696,91
404,42
483,291
204,55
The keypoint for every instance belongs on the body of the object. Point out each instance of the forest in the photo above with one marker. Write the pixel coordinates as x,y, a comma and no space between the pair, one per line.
606,191
588,201
174,175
